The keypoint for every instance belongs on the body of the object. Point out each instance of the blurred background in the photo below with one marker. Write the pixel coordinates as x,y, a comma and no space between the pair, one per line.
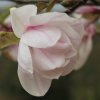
83,84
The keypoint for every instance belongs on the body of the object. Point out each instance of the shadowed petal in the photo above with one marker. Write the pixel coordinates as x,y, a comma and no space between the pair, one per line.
34,84
84,52
24,58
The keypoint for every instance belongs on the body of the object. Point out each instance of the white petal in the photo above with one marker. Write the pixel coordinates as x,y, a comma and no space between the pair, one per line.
24,58
45,18
62,18
20,18
34,84
41,37
72,27
46,61
74,35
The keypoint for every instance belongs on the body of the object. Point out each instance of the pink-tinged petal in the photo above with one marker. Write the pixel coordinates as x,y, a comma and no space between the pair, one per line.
20,18
34,84
79,27
62,19
41,37
63,47
68,68
45,61
24,58
42,19
50,17
74,28
53,74
73,35
84,52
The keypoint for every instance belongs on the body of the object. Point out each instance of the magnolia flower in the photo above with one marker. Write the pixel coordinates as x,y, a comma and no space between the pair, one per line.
48,46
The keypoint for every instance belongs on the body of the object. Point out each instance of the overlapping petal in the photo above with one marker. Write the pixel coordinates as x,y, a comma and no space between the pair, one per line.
20,18
34,84
74,28
42,19
84,52
24,58
45,61
41,37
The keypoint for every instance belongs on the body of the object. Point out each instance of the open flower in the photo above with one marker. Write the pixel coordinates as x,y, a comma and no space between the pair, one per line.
48,46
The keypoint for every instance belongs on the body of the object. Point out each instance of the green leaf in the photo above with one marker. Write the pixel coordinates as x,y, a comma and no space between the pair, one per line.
7,39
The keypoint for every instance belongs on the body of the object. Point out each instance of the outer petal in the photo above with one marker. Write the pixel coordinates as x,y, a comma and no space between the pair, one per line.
45,18
42,19
84,51
73,35
69,67
41,37
24,58
20,18
72,27
34,84
63,47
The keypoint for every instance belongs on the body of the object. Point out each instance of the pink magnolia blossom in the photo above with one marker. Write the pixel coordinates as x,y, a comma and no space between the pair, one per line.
48,46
